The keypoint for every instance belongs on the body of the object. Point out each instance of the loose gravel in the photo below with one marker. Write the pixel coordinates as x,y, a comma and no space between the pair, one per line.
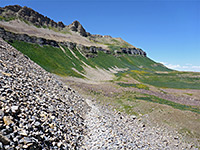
37,111
109,129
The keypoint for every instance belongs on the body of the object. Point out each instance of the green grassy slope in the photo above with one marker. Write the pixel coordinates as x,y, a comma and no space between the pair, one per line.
50,58
56,61
172,79
140,68
125,61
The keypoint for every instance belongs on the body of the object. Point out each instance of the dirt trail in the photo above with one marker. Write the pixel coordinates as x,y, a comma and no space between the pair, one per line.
107,129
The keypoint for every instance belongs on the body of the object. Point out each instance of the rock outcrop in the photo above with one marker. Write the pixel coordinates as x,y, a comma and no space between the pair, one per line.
37,19
91,51
6,35
37,111
133,51
77,27
28,14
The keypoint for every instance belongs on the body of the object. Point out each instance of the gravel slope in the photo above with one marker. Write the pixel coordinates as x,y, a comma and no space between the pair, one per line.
37,111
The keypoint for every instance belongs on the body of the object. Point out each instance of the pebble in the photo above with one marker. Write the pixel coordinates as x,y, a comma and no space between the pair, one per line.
37,123
4,139
23,132
7,120
14,109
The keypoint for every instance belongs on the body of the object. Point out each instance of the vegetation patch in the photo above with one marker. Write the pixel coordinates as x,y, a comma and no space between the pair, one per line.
113,47
50,58
135,97
156,99
139,86
173,79
189,94
107,61
7,18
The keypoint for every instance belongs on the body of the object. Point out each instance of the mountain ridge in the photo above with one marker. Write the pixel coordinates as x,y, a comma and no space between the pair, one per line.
9,14
28,14
6,35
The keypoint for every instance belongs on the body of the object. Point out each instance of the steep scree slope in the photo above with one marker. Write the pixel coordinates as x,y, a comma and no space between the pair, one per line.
36,110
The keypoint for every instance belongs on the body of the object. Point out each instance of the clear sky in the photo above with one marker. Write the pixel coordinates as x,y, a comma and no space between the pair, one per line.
168,30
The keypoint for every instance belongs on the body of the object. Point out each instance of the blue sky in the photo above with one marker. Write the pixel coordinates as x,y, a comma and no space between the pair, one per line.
169,31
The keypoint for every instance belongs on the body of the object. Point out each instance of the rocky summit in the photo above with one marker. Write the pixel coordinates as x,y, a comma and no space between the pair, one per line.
36,110
77,27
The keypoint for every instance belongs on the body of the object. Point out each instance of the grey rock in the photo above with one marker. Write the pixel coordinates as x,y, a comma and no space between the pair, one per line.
37,123
29,15
27,140
1,145
14,109
4,139
1,114
77,27
35,104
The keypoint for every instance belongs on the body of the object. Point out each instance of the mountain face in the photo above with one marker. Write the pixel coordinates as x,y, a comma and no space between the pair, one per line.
24,26
24,20
37,19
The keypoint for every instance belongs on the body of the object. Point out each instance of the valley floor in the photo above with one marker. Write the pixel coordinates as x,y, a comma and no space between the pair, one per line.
117,121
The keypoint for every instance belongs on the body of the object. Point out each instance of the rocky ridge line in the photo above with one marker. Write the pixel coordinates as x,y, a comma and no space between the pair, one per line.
28,14
88,51
37,111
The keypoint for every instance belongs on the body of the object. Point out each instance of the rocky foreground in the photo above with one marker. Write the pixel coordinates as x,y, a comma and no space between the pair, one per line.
37,111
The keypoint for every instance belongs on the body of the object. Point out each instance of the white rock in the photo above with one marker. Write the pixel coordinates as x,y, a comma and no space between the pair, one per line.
14,109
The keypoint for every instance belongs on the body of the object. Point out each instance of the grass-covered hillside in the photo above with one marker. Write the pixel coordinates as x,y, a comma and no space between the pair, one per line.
170,79
61,62
64,62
